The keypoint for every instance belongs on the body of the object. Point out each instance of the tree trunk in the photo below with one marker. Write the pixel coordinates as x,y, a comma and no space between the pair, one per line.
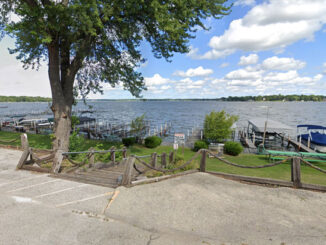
62,99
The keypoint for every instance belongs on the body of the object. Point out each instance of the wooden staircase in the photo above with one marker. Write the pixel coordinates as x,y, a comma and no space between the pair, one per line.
108,177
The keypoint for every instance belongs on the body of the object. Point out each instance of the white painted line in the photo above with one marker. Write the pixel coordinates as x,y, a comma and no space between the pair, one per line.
82,200
17,181
31,186
56,192
23,199
4,171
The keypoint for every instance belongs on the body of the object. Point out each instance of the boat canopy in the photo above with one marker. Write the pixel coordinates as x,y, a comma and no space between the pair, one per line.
272,126
309,126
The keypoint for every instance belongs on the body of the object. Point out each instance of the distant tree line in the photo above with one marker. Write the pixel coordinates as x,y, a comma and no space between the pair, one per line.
278,97
24,99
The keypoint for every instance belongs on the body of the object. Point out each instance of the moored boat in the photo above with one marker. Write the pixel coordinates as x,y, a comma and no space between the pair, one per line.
312,136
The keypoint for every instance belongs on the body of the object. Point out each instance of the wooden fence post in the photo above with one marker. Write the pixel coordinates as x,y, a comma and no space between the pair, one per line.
127,175
154,159
163,160
58,157
23,158
203,161
171,157
296,172
24,141
91,158
124,152
113,154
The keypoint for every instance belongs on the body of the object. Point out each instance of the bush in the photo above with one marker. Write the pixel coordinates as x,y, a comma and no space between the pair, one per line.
217,126
76,142
232,148
152,141
199,144
129,141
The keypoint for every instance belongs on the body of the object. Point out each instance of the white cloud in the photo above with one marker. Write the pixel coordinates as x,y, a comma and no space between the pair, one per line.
223,65
156,80
244,3
165,87
243,74
199,71
214,54
248,60
281,76
270,25
276,79
193,52
284,64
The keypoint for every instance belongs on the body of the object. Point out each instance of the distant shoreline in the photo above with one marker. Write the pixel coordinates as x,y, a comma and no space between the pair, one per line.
266,98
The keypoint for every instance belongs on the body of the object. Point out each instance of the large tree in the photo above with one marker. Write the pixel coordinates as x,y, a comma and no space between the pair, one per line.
87,42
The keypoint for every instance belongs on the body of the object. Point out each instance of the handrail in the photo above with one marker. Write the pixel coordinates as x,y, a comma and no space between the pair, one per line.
90,152
168,170
10,141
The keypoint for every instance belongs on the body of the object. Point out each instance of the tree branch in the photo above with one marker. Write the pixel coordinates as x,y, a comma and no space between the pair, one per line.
31,3
65,2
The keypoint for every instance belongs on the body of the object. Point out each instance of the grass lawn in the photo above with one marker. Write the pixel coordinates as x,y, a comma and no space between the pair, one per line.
281,172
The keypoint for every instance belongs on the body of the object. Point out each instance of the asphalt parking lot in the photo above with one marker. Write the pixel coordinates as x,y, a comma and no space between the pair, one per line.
192,209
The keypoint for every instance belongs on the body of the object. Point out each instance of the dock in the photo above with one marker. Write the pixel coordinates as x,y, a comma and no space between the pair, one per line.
299,146
296,144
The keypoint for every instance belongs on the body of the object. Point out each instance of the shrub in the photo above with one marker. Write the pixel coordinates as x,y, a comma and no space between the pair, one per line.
152,141
217,126
200,144
76,142
232,148
129,141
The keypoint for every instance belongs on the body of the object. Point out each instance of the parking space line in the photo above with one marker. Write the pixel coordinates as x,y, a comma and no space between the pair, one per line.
83,200
17,181
31,186
59,191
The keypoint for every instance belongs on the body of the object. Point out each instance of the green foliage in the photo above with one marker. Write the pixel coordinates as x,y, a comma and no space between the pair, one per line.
106,157
232,148
217,126
200,144
153,141
179,161
76,142
129,141
74,121
279,97
138,127
103,38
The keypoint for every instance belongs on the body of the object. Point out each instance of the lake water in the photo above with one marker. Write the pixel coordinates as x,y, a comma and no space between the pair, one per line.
184,115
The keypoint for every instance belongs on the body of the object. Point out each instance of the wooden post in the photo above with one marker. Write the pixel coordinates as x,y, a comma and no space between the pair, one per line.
296,172
113,154
163,160
124,152
24,141
154,159
171,157
92,158
23,158
57,161
127,175
203,161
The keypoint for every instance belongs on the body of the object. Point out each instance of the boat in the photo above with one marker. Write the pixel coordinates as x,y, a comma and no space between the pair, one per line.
312,136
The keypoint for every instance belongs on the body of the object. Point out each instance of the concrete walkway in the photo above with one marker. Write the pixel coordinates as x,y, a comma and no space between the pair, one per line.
193,209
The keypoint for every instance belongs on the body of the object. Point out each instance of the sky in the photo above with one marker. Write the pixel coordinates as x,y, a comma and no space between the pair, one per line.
260,48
